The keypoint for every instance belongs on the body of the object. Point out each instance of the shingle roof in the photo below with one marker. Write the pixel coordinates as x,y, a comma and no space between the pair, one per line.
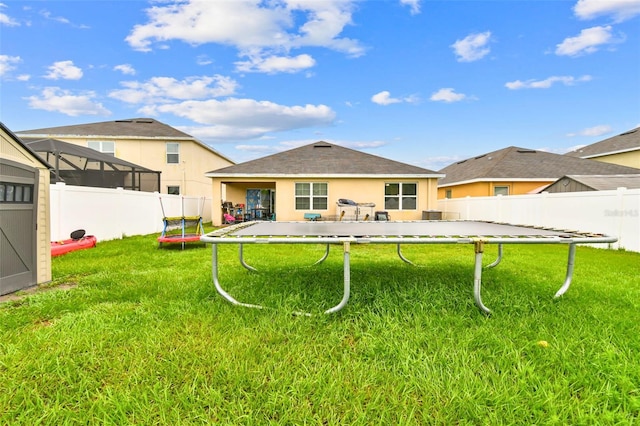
136,127
322,159
131,128
627,141
525,164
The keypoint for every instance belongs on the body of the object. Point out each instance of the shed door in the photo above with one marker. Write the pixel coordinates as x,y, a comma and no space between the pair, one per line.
17,226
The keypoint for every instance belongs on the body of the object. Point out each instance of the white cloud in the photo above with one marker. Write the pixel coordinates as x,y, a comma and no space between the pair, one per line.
245,118
414,5
64,70
273,64
167,89
23,77
125,69
620,10
600,130
472,47
447,95
256,29
64,101
586,42
203,60
8,63
384,98
546,83
6,19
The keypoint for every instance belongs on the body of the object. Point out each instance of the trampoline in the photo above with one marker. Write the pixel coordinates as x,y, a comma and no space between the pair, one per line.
397,233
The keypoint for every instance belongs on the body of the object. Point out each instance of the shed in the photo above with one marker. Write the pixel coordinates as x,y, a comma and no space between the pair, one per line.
24,215
576,183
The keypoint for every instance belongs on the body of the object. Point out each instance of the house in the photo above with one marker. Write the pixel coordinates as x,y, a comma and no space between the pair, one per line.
514,170
623,149
312,179
182,159
576,183
82,166
24,216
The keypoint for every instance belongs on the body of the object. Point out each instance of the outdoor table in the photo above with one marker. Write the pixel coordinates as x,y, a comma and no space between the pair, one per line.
478,233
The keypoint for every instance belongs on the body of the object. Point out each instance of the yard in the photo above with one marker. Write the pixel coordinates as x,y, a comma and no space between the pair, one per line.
131,334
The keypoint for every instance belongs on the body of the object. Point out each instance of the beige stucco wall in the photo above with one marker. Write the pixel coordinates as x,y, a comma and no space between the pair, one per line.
486,189
629,159
361,190
12,151
189,174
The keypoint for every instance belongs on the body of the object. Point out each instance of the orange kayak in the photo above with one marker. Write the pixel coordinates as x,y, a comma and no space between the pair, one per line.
65,246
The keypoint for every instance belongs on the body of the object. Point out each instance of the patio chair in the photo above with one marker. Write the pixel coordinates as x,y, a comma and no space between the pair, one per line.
228,219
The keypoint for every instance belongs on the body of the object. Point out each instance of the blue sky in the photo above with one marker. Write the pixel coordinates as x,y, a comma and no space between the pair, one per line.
422,82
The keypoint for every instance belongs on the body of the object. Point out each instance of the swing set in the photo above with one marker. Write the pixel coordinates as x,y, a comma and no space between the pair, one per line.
181,229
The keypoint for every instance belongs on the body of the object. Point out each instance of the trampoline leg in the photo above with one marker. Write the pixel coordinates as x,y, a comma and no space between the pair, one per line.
404,259
477,278
347,281
249,267
569,276
214,273
326,254
497,261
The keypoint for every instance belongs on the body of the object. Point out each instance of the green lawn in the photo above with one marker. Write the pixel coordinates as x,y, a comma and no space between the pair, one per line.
138,335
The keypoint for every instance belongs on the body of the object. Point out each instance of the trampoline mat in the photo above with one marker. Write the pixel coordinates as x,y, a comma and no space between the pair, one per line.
393,229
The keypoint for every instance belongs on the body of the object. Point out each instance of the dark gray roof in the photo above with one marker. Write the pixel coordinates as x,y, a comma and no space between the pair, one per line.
607,182
322,159
146,128
624,142
525,164
136,127
54,146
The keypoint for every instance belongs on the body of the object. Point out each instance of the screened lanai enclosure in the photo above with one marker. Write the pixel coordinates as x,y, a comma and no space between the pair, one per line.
82,166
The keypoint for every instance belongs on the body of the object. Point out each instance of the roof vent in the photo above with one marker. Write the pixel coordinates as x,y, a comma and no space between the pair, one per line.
322,145
527,151
629,132
124,121
480,156
145,121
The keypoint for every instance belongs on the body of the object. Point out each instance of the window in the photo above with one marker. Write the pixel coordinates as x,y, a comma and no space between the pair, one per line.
174,190
447,193
173,153
16,193
400,196
500,190
103,146
311,196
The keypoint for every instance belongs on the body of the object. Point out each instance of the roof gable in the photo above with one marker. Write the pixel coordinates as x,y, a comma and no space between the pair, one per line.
627,141
525,164
322,158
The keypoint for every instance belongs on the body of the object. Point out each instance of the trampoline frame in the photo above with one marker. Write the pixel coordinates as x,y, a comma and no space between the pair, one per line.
242,234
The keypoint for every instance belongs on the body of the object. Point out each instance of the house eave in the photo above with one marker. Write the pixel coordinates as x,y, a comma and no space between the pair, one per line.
321,176
485,180
604,154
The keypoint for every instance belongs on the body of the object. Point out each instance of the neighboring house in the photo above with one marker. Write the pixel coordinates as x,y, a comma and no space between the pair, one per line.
82,166
25,245
513,170
182,159
623,149
313,178
576,183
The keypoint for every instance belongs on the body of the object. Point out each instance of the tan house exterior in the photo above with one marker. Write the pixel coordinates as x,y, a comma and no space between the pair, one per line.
182,159
314,177
514,170
24,216
623,149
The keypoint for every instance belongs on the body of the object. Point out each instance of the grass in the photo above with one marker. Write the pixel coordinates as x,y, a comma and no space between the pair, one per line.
138,335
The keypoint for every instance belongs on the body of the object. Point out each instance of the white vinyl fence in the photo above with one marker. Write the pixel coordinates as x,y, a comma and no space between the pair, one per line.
615,212
114,213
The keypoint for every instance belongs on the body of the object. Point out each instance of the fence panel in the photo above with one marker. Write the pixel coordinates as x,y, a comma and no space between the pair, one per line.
114,213
615,212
